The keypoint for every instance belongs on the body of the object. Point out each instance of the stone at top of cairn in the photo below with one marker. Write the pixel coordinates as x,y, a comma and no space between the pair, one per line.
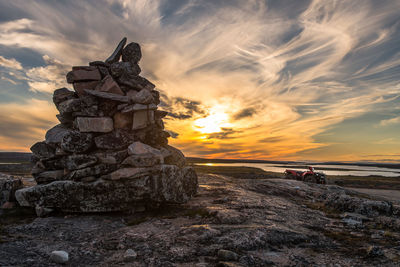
110,151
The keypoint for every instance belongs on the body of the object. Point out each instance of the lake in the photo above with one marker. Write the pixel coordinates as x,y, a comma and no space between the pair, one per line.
327,169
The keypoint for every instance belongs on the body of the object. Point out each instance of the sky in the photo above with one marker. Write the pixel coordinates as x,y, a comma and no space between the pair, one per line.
255,79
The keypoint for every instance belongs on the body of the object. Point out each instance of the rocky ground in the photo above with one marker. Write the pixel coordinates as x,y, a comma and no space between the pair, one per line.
231,222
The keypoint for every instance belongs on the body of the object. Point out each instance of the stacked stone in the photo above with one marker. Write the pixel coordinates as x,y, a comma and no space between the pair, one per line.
110,137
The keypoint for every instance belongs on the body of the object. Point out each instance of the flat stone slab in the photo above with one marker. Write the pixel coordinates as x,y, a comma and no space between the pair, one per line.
99,125
165,184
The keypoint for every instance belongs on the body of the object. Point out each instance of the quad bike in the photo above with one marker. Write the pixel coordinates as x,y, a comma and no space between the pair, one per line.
307,176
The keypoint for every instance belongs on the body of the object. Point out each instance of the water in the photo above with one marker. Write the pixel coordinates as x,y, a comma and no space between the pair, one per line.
327,169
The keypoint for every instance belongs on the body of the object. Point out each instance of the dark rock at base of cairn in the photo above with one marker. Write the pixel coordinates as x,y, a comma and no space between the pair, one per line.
110,151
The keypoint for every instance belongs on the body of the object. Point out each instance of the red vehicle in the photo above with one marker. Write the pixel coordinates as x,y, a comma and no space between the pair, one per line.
307,176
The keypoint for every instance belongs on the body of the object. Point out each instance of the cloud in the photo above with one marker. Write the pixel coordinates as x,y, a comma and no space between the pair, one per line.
303,68
10,63
21,125
244,113
47,78
226,133
181,108
391,121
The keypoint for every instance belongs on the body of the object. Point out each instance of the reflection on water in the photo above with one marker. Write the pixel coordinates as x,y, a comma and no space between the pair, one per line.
349,169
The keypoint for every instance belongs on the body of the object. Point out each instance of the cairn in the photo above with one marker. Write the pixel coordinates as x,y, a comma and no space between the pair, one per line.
110,151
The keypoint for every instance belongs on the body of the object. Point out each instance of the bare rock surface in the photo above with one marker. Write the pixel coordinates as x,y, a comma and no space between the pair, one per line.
230,222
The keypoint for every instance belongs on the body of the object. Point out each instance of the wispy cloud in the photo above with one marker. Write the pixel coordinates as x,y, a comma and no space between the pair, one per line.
391,121
280,74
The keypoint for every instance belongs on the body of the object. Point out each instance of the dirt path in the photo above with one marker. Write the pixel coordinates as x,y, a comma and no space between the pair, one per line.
391,195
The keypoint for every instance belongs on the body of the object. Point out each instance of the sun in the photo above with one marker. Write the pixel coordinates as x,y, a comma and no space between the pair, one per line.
212,123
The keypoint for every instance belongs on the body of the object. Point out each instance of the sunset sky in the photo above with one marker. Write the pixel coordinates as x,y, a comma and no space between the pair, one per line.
279,80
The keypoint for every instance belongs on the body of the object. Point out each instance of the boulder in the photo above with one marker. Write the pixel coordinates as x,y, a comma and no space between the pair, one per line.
132,53
83,73
176,157
115,56
69,106
76,142
65,119
61,95
135,82
142,118
116,140
75,162
119,68
143,160
167,184
49,176
59,256
129,173
81,86
97,170
56,134
108,85
137,107
143,97
109,96
122,120
8,185
43,150
99,125
138,148
111,157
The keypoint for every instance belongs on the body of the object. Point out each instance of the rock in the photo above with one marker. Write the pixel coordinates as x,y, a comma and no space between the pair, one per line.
144,160
174,185
166,184
8,186
81,86
112,157
61,95
116,140
59,256
99,125
132,53
227,255
56,134
129,173
69,106
142,118
122,120
97,170
135,82
83,73
75,162
115,56
77,142
108,85
176,157
129,255
137,107
42,212
156,96
143,97
159,114
138,148
110,96
99,63
119,68
8,205
65,119
373,252
49,176
43,150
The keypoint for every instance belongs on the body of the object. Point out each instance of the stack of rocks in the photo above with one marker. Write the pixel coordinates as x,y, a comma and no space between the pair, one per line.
110,151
